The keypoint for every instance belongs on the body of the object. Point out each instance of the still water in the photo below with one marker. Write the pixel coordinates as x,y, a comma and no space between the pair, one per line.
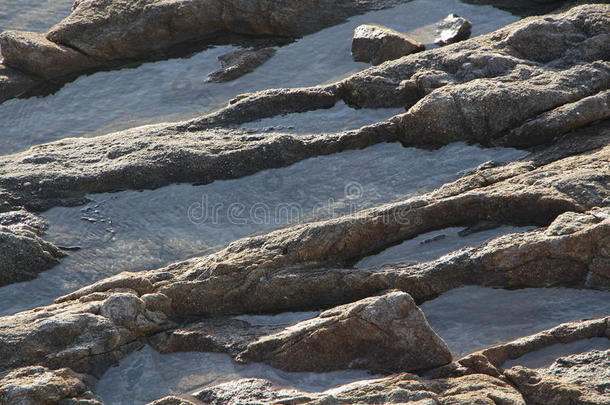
175,89
135,230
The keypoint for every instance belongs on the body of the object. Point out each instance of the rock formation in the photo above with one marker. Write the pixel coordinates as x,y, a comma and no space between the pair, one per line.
238,63
101,34
388,332
23,253
577,379
376,44
542,82
451,29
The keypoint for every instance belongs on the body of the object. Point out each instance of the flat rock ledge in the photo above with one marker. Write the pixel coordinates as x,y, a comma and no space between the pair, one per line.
388,332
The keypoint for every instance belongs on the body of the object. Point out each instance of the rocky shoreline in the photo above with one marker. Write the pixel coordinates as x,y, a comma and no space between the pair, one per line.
541,84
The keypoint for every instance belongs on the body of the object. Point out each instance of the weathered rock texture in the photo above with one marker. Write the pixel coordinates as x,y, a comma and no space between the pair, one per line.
487,89
32,53
453,28
279,270
86,335
577,379
523,85
105,33
41,386
376,44
14,83
398,389
388,332
238,63
23,254
491,360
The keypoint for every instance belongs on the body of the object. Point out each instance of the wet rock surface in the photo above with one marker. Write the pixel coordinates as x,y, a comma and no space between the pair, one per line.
376,44
98,34
388,332
23,253
540,82
238,63
465,93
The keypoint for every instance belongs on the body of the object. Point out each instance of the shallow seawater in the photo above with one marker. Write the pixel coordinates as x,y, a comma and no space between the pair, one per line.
339,118
134,230
432,245
547,356
175,89
146,375
284,318
32,15
472,318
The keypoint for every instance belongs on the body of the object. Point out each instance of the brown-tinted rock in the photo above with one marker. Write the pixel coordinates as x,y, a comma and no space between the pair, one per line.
42,386
397,389
576,379
23,254
238,63
87,335
34,54
172,401
376,44
388,332
116,29
14,83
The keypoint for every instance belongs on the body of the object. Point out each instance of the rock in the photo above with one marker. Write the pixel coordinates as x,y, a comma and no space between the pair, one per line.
22,219
397,389
23,254
238,63
14,83
172,401
451,29
116,29
251,390
388,332
376,44
34,54
484,77
106,33
87,335
41,386
491,359
218,335
576,379
535,191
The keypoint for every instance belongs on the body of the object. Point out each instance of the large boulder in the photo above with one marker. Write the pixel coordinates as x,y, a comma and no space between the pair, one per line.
387,332
377,44
34,54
